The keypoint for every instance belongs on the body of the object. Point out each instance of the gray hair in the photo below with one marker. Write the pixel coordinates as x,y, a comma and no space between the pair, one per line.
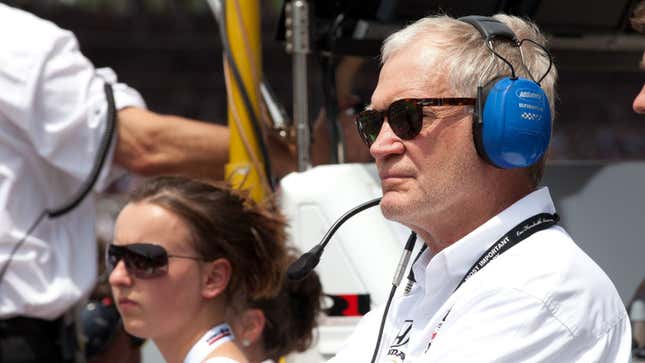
467,61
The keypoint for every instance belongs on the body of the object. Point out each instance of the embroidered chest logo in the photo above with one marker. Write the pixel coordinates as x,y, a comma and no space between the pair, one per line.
396,351
434,334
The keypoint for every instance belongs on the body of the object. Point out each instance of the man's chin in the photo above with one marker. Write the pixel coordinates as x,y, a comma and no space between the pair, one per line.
392,206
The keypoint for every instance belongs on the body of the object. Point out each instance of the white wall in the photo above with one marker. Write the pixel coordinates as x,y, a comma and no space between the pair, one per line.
602,206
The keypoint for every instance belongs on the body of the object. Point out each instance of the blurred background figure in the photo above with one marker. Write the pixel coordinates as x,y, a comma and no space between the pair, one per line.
638,23
637,315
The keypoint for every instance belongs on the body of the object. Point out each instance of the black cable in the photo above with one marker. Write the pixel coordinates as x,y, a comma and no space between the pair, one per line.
547,53
380,330
490,47
329,92
331,106
86,187
407,251
19,244
255,123
102,152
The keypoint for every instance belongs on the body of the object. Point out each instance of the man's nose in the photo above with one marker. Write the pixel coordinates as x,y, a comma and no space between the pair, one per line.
386,143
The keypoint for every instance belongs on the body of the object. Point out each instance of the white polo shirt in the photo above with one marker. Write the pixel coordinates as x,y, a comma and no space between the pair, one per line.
543,300
52,119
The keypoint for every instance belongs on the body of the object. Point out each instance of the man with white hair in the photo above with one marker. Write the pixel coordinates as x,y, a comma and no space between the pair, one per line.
459,124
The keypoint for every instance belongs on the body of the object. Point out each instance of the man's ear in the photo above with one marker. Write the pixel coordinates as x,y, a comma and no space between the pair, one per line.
216,277
252,325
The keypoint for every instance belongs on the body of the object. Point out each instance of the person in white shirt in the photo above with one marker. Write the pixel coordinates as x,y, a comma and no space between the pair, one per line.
459,124
53,118
186,259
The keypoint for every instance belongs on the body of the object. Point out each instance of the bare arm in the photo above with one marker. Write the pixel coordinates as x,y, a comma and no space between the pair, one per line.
151,144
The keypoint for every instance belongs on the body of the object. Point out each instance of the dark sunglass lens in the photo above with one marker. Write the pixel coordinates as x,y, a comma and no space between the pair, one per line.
112,257
369,125
146,260
146,266
405,118
143,260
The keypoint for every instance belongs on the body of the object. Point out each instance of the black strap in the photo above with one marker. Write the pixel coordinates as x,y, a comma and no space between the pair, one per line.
490,28
411,274
520,232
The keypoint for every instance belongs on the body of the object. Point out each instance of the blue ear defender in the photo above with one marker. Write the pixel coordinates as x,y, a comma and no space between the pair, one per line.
512,125
512,117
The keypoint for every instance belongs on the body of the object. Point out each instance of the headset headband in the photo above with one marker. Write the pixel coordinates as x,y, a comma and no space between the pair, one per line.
490,28
512,118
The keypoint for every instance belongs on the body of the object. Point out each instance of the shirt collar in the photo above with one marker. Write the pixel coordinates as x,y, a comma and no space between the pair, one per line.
449,266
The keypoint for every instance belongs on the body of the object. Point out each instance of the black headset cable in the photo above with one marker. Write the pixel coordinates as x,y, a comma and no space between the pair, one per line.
398,275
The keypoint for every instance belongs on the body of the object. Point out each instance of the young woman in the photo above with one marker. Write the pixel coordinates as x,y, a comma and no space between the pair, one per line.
186,258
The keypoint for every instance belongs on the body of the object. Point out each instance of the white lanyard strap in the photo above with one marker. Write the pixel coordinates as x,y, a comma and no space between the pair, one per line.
210,341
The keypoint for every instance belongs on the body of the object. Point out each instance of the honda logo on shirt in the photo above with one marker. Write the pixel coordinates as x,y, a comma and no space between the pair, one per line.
396,351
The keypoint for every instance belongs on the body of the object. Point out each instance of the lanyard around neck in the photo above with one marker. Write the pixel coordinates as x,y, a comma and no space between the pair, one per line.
210,341
519,233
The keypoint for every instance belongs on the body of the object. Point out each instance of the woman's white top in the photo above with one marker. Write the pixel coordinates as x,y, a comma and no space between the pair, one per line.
210,341
221,360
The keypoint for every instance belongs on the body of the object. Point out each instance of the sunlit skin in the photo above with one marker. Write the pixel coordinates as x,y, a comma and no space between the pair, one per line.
436,183
171,309
639,101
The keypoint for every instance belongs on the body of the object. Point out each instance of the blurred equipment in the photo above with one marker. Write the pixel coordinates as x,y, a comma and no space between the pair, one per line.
279,121
298,44
598,37
101,321
637,317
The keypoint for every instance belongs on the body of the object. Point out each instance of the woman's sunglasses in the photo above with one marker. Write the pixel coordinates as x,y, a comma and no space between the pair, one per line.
142,260
405,117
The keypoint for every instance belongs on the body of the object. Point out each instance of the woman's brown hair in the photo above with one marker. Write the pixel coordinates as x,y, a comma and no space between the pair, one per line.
291,316
224,223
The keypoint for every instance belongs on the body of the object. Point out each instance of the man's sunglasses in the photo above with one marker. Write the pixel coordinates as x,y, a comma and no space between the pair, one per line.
142,260
405,117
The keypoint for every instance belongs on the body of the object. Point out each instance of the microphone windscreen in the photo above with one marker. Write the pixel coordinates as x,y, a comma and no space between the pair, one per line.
301,267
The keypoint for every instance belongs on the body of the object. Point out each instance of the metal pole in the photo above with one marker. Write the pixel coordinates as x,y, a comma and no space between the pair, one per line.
242,19
297,25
